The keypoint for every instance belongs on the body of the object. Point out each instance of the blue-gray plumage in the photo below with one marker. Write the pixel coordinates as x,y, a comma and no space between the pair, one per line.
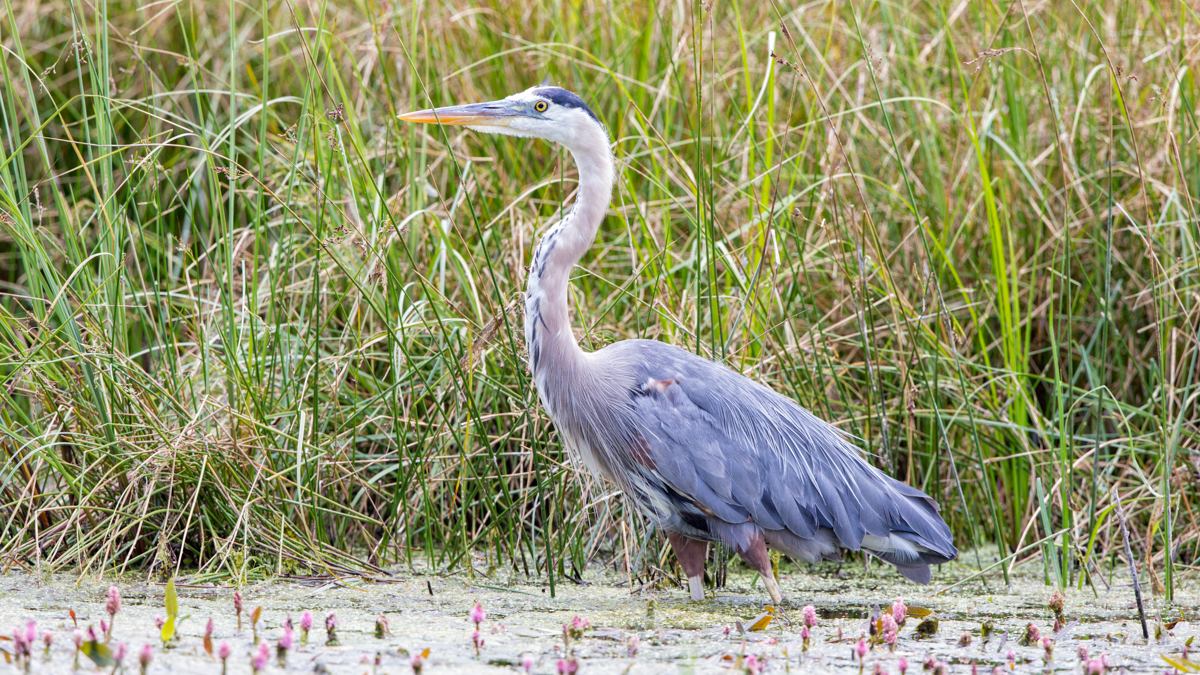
707,454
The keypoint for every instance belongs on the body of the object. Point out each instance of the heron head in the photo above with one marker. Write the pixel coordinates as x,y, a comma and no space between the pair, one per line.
550,113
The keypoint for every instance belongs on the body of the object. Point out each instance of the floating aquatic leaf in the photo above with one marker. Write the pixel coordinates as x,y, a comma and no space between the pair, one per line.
100,654
763,620
1183,664
168,629
919,612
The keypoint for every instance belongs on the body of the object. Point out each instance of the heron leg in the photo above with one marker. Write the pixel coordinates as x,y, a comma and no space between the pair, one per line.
760,560
691,554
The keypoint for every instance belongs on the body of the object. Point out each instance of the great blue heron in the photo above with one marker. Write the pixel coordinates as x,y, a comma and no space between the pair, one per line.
707,454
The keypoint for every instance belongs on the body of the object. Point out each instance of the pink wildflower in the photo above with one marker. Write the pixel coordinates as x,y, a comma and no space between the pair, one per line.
114,601
224,650
261,657
891,631
477,640
1048,646
809,616
159,622
899,611
305,626
145,657
635,644
753,665
285,643
417,663
331,630
527,663
576,627
477,615
119,653
902,664
237,607
568,666
1082,651
77,638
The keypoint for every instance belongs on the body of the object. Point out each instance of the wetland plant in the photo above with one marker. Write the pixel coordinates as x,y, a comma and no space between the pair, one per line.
1056,604
237,607
890,630
77,638
477,615
1031,636
899,611
262,655
22,647
208,631
860,651
223,652
527,663
119,656
902,665
381,627
753,665
809,616
928,627
964,640
305,626
418,662
576,627
145,657
568,666
635,644
112,606
477,640
1048,648
331,630
48,640
285,643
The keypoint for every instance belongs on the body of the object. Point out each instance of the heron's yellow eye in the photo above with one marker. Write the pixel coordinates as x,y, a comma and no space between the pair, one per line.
541,106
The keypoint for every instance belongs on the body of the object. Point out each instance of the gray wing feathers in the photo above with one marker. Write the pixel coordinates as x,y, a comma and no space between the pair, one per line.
740,449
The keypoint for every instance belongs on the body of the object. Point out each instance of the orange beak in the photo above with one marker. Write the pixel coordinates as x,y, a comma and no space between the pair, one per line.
493,114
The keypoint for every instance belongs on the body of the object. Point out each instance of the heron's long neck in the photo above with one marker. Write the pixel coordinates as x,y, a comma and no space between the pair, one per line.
548,336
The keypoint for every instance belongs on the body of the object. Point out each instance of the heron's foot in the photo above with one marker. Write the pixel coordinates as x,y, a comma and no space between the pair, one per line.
696,586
